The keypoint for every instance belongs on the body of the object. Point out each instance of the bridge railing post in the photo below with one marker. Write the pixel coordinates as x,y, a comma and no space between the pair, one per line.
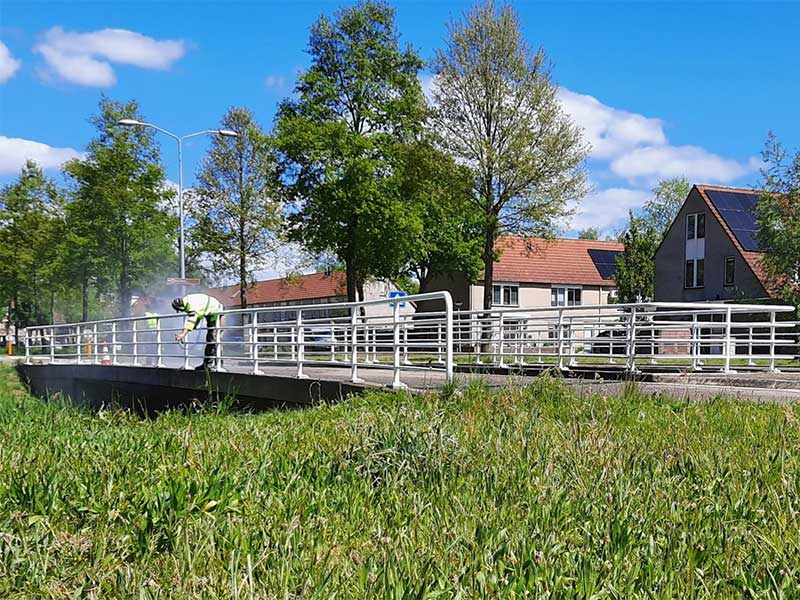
27,338
772,338
52,344
631,349
185,348
396,383
449,340
560,341
728,340
78,342
114,343
135,344
254,344
301,354
500,335
159,345
219,340
353,345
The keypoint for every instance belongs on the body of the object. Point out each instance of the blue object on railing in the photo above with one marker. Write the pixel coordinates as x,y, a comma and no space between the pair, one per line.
397,294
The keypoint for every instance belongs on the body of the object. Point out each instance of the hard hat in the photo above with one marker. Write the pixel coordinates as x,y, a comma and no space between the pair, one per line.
177,304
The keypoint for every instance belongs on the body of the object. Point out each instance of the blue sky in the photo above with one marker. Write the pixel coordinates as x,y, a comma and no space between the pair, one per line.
661,89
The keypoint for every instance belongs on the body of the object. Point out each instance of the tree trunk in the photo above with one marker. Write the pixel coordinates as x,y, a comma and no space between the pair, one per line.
242,281
350,277
124,285
52,307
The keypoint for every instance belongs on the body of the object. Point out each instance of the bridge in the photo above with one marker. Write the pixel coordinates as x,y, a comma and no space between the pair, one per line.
300,354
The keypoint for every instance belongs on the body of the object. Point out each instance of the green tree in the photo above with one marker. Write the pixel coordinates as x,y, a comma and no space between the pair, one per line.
590,233
668,197
236,209
448,226
358,100
497,110
119,198
778,213
29,231
635,275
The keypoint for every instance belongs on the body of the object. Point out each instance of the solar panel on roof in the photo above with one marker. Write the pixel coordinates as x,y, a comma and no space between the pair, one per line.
738,210
605,261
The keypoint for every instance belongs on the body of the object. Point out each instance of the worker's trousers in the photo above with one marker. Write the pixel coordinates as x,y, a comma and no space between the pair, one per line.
211,339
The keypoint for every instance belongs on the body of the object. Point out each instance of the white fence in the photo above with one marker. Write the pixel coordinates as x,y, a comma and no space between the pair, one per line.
350,336
336,335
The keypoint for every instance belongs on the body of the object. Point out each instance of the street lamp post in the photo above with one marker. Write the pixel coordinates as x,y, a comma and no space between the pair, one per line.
179,139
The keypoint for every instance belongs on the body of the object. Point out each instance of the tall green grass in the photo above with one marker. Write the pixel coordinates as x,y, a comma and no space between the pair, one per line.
526,493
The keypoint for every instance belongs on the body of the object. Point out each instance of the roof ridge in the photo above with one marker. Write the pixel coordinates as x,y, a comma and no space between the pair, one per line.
707,186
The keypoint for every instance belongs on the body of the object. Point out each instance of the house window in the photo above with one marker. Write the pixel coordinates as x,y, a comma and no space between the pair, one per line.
730,270
565,296
694,276
696,226
505,294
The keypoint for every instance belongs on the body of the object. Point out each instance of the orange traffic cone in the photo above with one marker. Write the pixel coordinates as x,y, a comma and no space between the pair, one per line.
106,358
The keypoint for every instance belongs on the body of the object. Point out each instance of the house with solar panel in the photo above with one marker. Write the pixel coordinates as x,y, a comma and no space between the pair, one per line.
536,272
711,251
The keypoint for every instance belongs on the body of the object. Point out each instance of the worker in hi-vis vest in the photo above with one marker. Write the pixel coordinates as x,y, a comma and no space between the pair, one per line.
197,308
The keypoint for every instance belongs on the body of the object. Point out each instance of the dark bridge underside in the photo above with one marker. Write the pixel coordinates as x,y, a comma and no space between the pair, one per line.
147,390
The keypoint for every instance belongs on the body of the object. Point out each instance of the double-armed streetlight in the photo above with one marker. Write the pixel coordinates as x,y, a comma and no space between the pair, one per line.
179,139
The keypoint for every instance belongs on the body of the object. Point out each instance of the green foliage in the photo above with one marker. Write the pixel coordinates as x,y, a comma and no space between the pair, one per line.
635,276
358,100
236,210
591,233
779,220
496,109
31,225
120,232
668,197
439,197
526,492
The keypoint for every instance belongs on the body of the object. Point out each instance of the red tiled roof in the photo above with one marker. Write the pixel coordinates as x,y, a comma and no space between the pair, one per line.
537,260
753,259
292,289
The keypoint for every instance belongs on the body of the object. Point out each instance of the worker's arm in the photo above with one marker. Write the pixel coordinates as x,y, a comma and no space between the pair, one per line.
192,320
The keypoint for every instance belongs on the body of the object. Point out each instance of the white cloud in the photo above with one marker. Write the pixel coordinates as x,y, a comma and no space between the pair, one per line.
275,83
606,208
8,64
84,58
609,130
698,164
15,151
427,83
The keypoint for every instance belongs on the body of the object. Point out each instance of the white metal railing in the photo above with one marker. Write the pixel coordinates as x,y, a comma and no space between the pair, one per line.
376,334
679,335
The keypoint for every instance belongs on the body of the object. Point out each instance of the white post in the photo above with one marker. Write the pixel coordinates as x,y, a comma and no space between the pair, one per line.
772,322
406,361
159,345
300,345
275,343
728,341
439,344
293,343
114,343
353,343
500,333
632,340
135,345
78,341
367,347
254,344
52,344
333,342
750,362
560,335
186,351
694,346
448,331
94,345
27,338
396,383
219,350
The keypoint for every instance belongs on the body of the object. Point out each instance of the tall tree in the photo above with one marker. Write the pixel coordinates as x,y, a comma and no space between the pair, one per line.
29,232
448,226
590,233
360,97
497,110
236,209
120,194
668,197
635,275
778,215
